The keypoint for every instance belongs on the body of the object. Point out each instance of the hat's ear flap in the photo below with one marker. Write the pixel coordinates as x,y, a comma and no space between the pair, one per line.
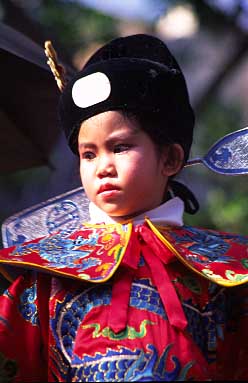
177,189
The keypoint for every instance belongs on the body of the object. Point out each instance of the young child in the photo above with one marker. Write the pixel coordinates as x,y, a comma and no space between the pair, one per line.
134,295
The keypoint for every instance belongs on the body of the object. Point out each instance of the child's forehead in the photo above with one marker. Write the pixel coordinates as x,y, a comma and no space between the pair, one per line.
110,121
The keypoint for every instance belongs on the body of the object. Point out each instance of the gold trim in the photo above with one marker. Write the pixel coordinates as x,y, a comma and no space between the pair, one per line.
220,281
61,273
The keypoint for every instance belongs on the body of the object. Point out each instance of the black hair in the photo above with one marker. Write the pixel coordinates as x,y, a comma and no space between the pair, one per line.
155,126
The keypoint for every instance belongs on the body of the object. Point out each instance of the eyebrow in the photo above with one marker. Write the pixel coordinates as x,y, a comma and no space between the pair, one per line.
110,140
87,145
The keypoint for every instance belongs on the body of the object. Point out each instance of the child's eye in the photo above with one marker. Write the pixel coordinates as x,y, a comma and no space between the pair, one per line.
88,155
121,148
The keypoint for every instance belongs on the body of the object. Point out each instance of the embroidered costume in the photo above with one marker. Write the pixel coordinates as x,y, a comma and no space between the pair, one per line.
149,300
146,300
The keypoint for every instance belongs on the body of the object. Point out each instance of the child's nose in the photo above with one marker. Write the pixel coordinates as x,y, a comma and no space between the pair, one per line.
105,167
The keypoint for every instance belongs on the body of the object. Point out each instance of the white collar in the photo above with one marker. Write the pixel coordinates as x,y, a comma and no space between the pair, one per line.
170,213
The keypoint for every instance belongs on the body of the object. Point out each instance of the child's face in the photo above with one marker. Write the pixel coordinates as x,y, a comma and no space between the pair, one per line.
120,169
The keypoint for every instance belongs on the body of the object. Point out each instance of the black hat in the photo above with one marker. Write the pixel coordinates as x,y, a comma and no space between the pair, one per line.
134,73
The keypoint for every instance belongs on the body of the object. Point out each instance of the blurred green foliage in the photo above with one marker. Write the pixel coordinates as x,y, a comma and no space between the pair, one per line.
76,26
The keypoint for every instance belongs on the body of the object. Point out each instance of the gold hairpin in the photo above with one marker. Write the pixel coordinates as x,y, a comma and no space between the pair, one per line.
57,69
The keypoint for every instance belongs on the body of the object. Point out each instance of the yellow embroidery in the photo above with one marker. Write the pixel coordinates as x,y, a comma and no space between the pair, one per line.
232,276
128,333
104,268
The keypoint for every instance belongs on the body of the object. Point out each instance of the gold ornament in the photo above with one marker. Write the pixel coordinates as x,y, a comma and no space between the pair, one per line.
57,69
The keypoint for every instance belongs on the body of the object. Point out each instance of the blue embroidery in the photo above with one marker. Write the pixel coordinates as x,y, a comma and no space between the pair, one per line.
62,252
27,306
208,246
127,365
206,325
62,214
69,314
222,157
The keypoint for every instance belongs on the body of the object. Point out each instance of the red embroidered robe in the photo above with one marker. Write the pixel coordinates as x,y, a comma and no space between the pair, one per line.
123,303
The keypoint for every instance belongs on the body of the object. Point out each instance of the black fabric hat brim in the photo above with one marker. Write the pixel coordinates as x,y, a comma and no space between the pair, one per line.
136,84
144,77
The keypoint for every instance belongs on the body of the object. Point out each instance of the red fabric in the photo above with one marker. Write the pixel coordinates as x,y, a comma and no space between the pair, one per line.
122,286
76,327
158,256
144,242
20,341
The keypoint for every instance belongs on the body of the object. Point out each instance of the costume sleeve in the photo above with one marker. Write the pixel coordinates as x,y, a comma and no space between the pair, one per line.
232,351
22,352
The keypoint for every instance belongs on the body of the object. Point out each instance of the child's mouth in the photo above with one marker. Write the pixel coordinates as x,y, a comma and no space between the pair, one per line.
108,190
107,187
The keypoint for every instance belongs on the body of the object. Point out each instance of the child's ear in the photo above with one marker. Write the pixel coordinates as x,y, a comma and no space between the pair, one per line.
173,157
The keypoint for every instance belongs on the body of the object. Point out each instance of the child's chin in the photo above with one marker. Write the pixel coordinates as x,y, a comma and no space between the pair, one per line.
117,212
121,217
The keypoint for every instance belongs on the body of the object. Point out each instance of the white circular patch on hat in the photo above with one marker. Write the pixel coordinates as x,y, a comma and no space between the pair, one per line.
91,90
